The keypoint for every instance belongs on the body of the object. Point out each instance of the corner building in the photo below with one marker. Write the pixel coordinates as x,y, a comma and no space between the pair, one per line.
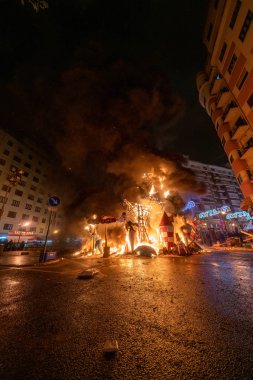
27,201
226,85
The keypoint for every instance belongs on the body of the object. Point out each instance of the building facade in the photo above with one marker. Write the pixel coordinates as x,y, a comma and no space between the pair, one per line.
24,208
217,213
226,85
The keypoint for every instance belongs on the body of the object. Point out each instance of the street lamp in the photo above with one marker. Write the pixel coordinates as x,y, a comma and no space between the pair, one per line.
14,177
20,229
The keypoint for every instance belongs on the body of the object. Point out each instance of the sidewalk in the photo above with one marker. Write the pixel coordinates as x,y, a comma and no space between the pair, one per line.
23,261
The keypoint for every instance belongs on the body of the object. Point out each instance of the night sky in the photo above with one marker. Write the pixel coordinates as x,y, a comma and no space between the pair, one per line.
95,80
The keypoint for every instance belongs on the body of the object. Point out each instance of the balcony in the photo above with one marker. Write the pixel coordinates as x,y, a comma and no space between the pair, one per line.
239,165
230,146
237,132
231,112
217,85
216,114
223,97
247,188
247,154
223,128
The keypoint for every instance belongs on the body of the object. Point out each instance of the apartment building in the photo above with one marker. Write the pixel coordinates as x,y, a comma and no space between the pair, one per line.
222,188
226,85
24,208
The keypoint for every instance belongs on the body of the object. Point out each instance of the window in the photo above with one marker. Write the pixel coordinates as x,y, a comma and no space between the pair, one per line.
6,188
10,143
19,192
22,183
249,174
12,214
246,25
242,79
45,211
30,156
239,179
25,174
223,51
43,220
28,206
27,165
33,229
231,159
20,150
38,171
37,209
34,188
15,203
240,121
31,197
2,162
232,63
35,219
17,159
25,216
3,199
210,29
250,100
235,14
35,179
8,226
40,200
41,230
6,152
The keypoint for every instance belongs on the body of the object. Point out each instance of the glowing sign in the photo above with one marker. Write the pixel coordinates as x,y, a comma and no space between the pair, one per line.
189,205
239,214
213,212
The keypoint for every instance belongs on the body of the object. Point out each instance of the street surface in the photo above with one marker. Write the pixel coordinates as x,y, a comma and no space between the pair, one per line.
173,318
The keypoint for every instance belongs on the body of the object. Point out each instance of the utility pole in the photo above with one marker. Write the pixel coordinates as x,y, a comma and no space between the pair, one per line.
45,244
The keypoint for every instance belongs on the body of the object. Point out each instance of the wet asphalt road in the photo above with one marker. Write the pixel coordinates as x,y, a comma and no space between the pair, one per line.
173,317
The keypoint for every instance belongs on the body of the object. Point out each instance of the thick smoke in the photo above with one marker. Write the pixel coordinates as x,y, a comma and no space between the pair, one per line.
109,125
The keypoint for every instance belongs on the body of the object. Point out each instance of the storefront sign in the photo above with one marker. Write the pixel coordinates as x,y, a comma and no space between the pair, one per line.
16,232
214,212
